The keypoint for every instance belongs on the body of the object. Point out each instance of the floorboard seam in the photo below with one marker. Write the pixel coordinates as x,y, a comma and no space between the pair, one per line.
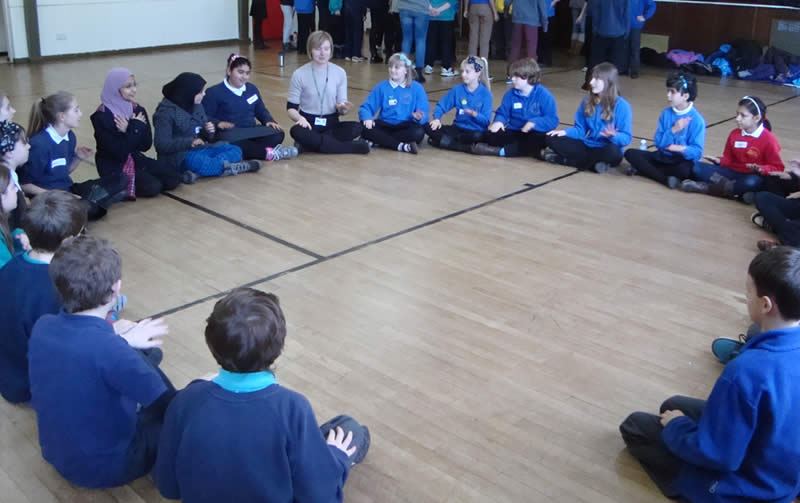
244,226
527,187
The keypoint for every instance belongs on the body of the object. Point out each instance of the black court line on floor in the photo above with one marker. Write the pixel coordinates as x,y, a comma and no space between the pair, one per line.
723,121
244,226
527,187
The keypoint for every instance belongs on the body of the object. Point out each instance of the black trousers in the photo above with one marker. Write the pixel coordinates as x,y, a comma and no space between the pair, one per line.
782,215
500,44
256,148
454,137
353,31
611,49
335,137
517,143
544,47
305,25
393,35
642,435
379,15
582,157
391,135
101,193
647,164
440,43
152,177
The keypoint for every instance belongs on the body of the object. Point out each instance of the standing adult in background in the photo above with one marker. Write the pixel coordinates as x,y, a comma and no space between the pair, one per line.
611,22
482,15
305,22
578,26
414,18
545,46
353,12
641,11
287,9
527,16
258,11
379,15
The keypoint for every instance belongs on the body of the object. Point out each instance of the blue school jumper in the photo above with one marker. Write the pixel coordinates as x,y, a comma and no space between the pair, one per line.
693,135
644,8
26,294
538,107
461,98
86,386
396,103
49,160
746,445
611,18
224,103
243,438
588,129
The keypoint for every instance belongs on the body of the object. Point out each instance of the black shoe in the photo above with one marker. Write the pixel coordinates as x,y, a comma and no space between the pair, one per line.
634,75
376,59
259,44
420,76
484,149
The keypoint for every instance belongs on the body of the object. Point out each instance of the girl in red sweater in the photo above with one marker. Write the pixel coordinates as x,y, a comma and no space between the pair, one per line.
751,151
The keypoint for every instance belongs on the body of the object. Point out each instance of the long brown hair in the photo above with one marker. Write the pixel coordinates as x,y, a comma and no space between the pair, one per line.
608,96
45,111
5,180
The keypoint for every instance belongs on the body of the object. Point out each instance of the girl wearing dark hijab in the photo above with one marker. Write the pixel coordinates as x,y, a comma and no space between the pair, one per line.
184,137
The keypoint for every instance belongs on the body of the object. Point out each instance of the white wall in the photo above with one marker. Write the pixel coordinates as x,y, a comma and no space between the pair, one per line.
16,24
78,26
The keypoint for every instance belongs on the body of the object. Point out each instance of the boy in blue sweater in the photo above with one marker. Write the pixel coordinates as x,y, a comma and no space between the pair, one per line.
742,444
26,291
680,136
243,437
527,112
99,402
641,11
403,107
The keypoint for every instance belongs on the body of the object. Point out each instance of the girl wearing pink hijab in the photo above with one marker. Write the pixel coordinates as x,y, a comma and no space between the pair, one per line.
123,133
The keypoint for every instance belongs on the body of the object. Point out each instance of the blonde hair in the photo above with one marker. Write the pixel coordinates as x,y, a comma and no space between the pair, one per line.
608,96
483,74
45,111
316,39
400,59
5,180
526,68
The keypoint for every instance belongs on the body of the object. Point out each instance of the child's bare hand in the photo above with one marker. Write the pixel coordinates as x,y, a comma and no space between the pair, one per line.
435,124
528,126
24,242
793,195
140,117
557,132
497,126
344,107
146,334
121,123
680,124
210,127
84,153
123,326
609,131
669,415
225,125
369,123
711,158
418,114
274,125
755,168
783,175
197,142
471,112
338,439
676,148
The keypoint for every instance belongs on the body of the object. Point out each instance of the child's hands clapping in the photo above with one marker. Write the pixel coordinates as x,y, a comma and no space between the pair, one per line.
609,131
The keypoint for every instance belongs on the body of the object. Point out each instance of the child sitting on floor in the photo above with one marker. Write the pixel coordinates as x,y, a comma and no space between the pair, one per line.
750,152
680,136
99,400
403,107
276,451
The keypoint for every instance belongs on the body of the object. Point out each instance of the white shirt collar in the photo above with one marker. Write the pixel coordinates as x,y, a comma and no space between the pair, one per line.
15,177
55,136
756,133
685,110
395,84
237,92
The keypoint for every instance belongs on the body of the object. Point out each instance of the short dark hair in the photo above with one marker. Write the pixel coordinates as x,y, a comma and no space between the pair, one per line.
684,83
84,270
526,68
237,60
776,274
246,330
52,217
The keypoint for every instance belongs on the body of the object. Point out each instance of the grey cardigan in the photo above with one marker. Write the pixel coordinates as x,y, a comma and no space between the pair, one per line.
175,129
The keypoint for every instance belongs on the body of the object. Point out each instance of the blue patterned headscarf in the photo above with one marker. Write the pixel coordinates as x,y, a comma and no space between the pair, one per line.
9,133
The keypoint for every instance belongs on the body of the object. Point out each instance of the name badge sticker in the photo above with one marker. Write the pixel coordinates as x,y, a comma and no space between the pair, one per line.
197,130
320,121
392,102
517,106
252,99
740,144
460,111
58,162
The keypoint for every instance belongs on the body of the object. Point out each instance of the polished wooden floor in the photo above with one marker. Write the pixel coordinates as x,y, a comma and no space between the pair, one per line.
491,320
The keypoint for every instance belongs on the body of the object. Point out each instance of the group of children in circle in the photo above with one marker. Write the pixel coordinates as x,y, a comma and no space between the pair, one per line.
214,132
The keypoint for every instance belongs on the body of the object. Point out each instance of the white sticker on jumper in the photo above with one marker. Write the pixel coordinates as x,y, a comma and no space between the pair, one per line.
460,111
740,144
392,102
320,121
197,129
58,162
252,99
517,106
